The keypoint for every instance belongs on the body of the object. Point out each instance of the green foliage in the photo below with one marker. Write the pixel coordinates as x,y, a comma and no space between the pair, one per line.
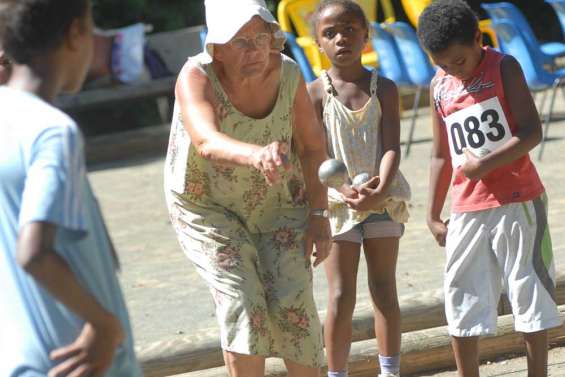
162,14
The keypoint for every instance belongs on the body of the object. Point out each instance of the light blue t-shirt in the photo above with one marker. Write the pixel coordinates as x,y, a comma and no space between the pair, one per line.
43,178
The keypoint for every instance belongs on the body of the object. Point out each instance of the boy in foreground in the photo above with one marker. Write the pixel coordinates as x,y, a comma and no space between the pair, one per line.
63,313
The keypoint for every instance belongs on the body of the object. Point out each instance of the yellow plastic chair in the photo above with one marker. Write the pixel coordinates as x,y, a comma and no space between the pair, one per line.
413,9
294,17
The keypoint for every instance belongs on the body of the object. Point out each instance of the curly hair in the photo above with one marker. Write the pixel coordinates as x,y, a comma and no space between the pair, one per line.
32,28
348,5
445,22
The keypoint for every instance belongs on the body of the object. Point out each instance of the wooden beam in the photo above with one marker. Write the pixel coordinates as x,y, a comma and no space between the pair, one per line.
141,143
419,311
94,98
186,354
422,351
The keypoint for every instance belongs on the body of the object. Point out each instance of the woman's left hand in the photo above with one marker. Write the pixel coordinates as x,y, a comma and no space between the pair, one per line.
318,234
369,196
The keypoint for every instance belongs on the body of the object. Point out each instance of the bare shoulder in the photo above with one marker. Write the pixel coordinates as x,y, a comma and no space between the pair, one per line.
510,69
191,74
193,84
315,89
386,90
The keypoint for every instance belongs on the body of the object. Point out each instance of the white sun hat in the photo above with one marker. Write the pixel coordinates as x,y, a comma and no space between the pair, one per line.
224,18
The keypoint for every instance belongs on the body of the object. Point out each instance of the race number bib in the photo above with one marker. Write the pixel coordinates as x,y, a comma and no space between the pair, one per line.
481,128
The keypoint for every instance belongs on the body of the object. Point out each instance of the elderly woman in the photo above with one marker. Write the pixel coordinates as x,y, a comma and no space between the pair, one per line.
242,189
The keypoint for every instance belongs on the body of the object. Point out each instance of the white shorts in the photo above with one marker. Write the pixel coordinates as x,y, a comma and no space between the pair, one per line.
508,248
375,226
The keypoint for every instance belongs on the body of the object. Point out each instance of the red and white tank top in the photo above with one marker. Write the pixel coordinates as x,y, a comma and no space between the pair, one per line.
476,116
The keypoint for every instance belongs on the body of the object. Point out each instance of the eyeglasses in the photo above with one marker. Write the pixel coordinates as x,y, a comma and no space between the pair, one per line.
261,40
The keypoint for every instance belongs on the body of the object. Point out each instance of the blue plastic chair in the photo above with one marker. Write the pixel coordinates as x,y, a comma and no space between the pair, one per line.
203,34
559,7
300,57
513,42
391,64
417,63
510,13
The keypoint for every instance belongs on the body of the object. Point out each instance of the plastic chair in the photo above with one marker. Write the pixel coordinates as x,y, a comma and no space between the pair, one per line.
510,13
514,43
203,34
559,7
393,66
294,18
413,9
417,63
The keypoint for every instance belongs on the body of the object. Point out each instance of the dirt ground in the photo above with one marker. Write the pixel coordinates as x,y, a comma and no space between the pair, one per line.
167,299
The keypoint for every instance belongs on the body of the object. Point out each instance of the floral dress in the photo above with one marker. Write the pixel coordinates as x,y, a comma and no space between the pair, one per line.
246,238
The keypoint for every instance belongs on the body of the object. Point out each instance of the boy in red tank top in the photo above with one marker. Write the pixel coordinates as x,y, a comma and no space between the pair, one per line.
484,125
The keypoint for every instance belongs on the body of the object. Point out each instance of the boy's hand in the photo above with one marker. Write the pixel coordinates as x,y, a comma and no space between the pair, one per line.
369,196
439,230
472,168
92,353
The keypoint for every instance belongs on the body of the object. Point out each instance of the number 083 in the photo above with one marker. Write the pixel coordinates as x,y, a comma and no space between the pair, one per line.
471,134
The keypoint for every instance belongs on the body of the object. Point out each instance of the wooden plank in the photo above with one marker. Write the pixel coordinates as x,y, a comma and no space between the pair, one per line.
422,351
93,98
181,355
176,46
419,311
141,143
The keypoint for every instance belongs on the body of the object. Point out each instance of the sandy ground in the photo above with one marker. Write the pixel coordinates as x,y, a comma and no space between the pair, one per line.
166,297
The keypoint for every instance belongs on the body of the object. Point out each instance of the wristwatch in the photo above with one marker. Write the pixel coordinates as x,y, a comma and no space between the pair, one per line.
320,212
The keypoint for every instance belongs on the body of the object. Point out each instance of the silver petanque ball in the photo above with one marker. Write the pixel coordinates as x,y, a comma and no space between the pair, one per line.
359,179
333,173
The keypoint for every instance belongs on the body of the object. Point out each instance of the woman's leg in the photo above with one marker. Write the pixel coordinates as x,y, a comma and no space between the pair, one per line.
299,370
239,365
341,270
381,255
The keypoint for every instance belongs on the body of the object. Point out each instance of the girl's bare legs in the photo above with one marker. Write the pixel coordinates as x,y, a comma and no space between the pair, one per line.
341,270
381,255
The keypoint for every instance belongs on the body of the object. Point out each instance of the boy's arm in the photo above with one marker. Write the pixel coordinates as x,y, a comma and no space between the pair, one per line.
440,176
94,348
52,201
523,110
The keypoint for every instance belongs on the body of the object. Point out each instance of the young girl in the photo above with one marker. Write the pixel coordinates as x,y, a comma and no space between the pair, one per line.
361,117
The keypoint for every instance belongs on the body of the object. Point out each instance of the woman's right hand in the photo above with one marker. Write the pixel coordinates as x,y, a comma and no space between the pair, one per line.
269,159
